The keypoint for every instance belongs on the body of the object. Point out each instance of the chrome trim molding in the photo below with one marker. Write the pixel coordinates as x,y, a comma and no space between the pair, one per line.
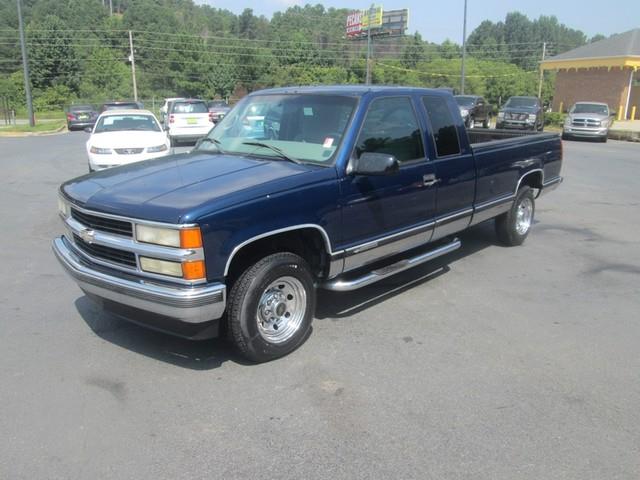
382,241
450,218
490,203
195,304
346,285
270,233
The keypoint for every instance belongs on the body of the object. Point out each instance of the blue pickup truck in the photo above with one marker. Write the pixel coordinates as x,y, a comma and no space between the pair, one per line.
295,189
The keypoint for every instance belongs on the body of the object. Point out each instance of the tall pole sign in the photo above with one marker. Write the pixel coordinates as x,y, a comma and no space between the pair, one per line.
464,48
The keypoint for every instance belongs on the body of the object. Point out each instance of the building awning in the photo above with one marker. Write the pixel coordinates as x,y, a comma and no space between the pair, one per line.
622,61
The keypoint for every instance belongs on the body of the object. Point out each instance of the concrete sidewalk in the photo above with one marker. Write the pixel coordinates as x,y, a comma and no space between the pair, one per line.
625,130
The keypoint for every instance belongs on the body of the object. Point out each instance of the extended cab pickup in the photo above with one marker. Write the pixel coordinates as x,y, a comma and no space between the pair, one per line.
295,189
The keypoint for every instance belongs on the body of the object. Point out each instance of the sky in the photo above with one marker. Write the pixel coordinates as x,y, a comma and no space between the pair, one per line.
439,20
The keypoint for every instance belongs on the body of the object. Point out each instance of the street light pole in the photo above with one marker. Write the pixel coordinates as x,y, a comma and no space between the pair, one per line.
371,13
25,65
544,52
133,67
464,48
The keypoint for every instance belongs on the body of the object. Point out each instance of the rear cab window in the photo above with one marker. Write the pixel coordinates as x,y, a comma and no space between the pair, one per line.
391,127
189,107
443,127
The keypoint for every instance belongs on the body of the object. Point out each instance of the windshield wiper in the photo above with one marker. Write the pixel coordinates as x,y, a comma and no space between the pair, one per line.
280,153
215,141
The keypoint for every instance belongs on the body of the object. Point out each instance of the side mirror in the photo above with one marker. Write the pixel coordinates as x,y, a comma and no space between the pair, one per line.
371,163
88,129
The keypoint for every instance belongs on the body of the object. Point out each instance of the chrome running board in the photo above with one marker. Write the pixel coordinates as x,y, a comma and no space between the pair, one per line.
345,285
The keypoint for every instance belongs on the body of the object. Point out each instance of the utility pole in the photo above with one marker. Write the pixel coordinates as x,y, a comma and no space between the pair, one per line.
544,52
132,59
371,14
110,8
25,65
464,48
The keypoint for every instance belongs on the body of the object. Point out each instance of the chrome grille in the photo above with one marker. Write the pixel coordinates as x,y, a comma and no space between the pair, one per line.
585,122
109,254
104,224
128,151
516,116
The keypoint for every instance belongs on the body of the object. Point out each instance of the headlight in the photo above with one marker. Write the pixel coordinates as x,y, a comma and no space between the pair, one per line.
163,267
464,112
157,148
567,121
532,117
100,151
170,237
500,114
63,208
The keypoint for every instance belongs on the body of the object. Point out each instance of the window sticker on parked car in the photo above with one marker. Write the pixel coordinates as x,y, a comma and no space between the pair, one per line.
328,142
308,111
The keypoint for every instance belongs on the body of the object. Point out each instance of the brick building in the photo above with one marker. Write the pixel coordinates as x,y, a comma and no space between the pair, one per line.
604,71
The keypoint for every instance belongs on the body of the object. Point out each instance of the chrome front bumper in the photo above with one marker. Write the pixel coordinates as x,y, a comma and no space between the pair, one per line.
188,304
585,131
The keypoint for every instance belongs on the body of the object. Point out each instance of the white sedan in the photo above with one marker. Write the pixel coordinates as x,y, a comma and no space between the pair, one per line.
125,136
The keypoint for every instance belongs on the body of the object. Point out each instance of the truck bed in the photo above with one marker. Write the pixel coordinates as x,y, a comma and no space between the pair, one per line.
477,136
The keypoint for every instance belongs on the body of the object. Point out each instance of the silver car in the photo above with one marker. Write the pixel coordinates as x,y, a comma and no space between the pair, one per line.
588,120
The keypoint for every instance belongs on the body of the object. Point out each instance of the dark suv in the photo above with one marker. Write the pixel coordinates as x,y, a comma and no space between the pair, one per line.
80,117
525,113
474,109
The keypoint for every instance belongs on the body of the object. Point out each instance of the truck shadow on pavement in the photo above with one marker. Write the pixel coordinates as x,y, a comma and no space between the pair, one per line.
339,305
211,354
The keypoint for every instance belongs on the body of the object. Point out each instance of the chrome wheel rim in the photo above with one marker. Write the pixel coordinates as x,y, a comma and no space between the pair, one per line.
524,215
281,309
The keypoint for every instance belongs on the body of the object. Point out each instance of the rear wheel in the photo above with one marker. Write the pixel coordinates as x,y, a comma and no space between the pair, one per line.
271,307
513,226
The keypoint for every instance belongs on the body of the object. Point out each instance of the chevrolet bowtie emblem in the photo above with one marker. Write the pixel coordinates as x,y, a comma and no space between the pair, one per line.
88,235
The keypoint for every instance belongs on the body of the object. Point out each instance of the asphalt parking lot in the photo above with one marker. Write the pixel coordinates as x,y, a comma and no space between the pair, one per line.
493,363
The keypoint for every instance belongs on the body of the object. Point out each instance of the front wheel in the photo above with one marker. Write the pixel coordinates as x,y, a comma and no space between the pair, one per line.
271,307
513,226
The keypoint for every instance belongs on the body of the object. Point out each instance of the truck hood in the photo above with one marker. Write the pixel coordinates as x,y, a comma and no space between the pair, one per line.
181,188
590,116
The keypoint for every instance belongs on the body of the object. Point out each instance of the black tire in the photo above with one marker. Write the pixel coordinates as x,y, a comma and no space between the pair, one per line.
603,139
565,136
173,142
244,311
486,123
508,228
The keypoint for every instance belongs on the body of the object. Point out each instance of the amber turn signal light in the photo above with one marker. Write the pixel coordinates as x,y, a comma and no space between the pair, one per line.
190,238
193,270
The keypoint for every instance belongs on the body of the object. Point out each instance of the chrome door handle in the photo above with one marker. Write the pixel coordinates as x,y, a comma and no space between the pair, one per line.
429,180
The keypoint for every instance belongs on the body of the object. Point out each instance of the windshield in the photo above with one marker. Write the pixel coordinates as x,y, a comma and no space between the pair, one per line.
306,128
465,101
521,102
218,104
119,123
189,107
590,108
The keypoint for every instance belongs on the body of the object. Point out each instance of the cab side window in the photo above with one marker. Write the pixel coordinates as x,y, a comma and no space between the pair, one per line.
445,135
391,127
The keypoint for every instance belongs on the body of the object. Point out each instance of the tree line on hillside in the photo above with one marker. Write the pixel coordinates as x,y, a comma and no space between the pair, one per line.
79,52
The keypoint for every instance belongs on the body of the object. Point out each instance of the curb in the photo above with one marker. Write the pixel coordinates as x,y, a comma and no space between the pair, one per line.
626,135
57,131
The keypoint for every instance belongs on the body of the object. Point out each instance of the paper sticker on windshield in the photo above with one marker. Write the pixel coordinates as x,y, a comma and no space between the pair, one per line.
308,111
108,120
328,142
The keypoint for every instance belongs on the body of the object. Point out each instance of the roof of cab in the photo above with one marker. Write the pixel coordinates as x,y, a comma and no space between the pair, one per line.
354,90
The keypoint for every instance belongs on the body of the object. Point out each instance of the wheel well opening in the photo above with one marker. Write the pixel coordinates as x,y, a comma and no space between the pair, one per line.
308,243
533,180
